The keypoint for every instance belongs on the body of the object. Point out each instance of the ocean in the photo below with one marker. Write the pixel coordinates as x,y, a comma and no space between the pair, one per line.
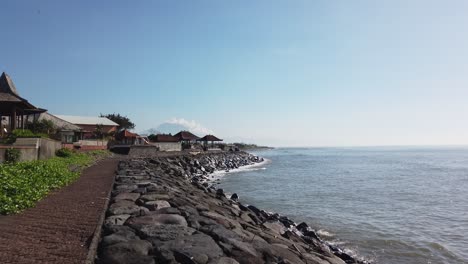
385,204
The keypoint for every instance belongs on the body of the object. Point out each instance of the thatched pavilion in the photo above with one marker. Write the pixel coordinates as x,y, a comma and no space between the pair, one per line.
186,138
209,138
14,109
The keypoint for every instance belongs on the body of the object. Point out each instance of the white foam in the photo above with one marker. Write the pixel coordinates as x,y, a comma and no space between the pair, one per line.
253,167
324,233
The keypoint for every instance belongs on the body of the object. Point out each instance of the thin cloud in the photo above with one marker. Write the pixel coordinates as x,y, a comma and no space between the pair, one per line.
191,125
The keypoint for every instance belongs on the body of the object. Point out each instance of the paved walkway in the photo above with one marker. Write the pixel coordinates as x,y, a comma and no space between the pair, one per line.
60,228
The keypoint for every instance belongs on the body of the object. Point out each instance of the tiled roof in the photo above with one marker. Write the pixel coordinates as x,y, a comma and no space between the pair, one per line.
209,138
87,120
185,135
127,134
165,138
60,123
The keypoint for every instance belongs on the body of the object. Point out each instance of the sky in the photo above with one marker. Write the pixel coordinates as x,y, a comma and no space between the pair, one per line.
278,73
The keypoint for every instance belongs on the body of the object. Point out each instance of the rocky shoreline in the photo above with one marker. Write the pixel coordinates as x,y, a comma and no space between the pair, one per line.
164,210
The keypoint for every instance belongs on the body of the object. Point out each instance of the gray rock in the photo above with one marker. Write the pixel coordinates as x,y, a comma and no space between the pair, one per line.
194,246
164,232
123,207
125,258
136,246
155,205
275,226
156,219
116,219
154,197
224,260
127,196
117,238
126,187
111,229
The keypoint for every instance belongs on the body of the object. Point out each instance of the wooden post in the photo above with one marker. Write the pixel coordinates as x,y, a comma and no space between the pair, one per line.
13,119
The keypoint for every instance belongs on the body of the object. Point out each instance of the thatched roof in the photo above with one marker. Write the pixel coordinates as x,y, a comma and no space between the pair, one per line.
185,136
209,138
7,85
10,98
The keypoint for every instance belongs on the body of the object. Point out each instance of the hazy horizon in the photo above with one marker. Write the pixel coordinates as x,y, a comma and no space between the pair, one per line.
276,73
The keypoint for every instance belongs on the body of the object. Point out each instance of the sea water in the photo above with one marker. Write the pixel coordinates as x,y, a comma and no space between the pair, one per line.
388,204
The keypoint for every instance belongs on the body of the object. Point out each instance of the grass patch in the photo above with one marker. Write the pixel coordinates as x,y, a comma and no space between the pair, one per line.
23,184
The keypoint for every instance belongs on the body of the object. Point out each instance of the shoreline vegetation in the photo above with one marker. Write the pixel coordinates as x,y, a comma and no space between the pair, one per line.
245,146
164,209
23,184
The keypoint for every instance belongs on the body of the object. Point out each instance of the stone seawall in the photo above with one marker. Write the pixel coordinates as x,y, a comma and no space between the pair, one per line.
164,211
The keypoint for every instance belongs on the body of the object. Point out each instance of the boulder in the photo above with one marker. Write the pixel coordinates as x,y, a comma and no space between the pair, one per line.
156,219
123,207
127,196
116,219
164,232
155,205
196,246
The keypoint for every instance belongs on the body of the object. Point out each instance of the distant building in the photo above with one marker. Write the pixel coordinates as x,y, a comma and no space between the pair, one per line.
67,131
207,139
91,125
166,142
126,137
187,139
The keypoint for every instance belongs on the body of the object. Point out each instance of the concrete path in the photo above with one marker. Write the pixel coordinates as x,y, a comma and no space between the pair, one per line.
60,228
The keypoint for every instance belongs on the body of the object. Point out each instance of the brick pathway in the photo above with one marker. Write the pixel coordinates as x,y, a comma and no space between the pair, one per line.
60,228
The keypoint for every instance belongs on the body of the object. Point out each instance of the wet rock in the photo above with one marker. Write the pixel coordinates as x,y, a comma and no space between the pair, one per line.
234,197
220,192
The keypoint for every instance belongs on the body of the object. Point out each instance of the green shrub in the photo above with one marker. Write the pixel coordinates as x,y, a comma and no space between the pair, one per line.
64,152
24,183
12,155
23,133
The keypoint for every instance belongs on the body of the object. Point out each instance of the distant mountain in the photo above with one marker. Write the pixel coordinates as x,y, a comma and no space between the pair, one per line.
169,128
166,128
149,132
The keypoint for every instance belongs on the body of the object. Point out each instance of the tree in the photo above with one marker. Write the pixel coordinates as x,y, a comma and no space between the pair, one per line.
123,121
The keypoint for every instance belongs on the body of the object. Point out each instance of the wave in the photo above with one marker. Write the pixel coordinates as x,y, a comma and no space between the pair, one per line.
253,167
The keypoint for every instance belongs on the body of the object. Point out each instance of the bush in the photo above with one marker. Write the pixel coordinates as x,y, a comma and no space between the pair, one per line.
64,152
12,155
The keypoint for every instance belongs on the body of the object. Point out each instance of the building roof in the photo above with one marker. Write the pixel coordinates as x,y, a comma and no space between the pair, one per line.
59,123
126,134
87,120
185,135
165,138
7,85
10,98
209,138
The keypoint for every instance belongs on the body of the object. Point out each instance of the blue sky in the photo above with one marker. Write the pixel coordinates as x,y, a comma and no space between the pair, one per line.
282,73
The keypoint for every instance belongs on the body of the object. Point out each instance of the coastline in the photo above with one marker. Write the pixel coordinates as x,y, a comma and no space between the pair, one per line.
164,209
